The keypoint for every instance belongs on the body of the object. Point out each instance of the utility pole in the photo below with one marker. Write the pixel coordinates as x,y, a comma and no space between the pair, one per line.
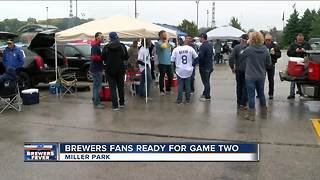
197,1
76,9
207,18
135,9
47,9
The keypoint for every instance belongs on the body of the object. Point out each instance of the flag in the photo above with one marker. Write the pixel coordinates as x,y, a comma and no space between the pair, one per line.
283,16
294,6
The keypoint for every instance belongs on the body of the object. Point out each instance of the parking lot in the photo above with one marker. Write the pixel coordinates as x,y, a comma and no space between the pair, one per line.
289,145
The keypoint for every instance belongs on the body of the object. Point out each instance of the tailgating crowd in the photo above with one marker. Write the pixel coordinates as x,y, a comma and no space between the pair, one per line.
250,60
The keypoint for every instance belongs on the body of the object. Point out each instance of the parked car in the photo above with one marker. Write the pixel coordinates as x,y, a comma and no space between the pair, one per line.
78,56
39,64
315,43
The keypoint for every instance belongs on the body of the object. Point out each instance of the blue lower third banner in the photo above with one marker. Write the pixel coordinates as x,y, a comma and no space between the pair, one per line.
158,152
150,152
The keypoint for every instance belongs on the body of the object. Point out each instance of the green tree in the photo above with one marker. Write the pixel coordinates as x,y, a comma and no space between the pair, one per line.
234,22
189,27
315,27
291,29
306,23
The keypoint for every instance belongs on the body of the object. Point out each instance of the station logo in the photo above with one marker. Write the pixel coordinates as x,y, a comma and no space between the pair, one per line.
40,151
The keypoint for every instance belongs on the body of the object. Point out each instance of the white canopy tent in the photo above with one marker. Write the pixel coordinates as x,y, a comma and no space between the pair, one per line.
225,33
126,27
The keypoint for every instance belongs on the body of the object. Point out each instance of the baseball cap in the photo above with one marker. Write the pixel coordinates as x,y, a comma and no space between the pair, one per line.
9,41
244,36
113,36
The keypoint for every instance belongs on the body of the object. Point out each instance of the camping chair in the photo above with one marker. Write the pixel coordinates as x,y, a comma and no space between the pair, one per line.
10,95
67,82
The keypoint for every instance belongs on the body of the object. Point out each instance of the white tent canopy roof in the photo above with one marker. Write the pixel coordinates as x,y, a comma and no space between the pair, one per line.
124,26
224,33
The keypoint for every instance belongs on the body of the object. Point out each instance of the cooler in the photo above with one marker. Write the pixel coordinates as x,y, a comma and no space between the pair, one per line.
30,96
174,82
53,87
314,71
296,66
104,93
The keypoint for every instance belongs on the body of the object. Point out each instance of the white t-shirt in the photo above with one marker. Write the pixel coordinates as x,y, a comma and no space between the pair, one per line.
183,57
144,56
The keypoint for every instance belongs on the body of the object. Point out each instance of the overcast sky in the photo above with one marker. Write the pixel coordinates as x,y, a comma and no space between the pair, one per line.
252,14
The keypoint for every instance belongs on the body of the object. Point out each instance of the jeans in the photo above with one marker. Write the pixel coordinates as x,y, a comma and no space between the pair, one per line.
97,83
292,89
192,79
242,96
205,77
252,86
142,90
183,82
270,73
165,69
116,82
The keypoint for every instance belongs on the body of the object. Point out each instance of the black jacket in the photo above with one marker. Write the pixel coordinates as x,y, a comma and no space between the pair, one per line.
114,54
236,59
292,49
277,55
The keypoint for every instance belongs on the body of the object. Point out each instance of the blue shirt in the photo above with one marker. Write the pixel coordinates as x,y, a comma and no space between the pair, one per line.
164,54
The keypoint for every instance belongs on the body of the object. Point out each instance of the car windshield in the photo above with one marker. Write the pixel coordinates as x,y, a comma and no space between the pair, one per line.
84,48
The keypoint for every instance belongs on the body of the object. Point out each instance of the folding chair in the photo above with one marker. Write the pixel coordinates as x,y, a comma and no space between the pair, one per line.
67,82
10,95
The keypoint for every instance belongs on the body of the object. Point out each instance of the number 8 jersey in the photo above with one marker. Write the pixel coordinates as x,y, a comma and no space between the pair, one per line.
183,57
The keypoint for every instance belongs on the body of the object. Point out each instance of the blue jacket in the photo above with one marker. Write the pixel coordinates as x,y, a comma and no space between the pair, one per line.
96,64
13,58
205,56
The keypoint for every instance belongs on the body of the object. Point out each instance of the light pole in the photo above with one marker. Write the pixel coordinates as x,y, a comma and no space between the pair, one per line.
197,1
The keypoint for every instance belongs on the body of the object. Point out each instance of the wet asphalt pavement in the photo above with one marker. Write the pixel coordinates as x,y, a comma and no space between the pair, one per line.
289,145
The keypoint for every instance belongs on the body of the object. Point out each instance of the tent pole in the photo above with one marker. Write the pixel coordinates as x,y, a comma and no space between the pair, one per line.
56,63
145,71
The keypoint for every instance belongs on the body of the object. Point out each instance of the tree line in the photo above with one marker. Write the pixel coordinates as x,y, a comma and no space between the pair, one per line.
13,25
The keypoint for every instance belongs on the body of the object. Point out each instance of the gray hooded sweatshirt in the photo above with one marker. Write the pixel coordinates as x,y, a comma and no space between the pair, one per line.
257,59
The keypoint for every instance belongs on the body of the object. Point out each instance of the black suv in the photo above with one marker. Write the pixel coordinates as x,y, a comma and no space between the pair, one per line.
78,56
39,60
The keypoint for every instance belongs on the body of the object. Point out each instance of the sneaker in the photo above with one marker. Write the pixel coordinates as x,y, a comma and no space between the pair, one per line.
187,101
122,106
270,97
99,106
203,98
290,97
162,93
169,93
115,109
178,102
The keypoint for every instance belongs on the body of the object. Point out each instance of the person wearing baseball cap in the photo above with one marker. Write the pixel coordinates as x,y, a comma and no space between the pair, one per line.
238,66
12,56
205,65
114,55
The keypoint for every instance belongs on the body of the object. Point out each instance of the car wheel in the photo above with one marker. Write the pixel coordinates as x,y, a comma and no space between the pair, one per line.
88,75
25,81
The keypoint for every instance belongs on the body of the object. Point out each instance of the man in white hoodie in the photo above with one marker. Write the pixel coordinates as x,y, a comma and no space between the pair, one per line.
183,57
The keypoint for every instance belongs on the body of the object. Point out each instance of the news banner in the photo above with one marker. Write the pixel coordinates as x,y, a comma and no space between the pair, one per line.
56,152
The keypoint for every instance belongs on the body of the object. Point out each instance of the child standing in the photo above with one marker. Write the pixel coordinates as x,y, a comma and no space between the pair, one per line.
183,57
